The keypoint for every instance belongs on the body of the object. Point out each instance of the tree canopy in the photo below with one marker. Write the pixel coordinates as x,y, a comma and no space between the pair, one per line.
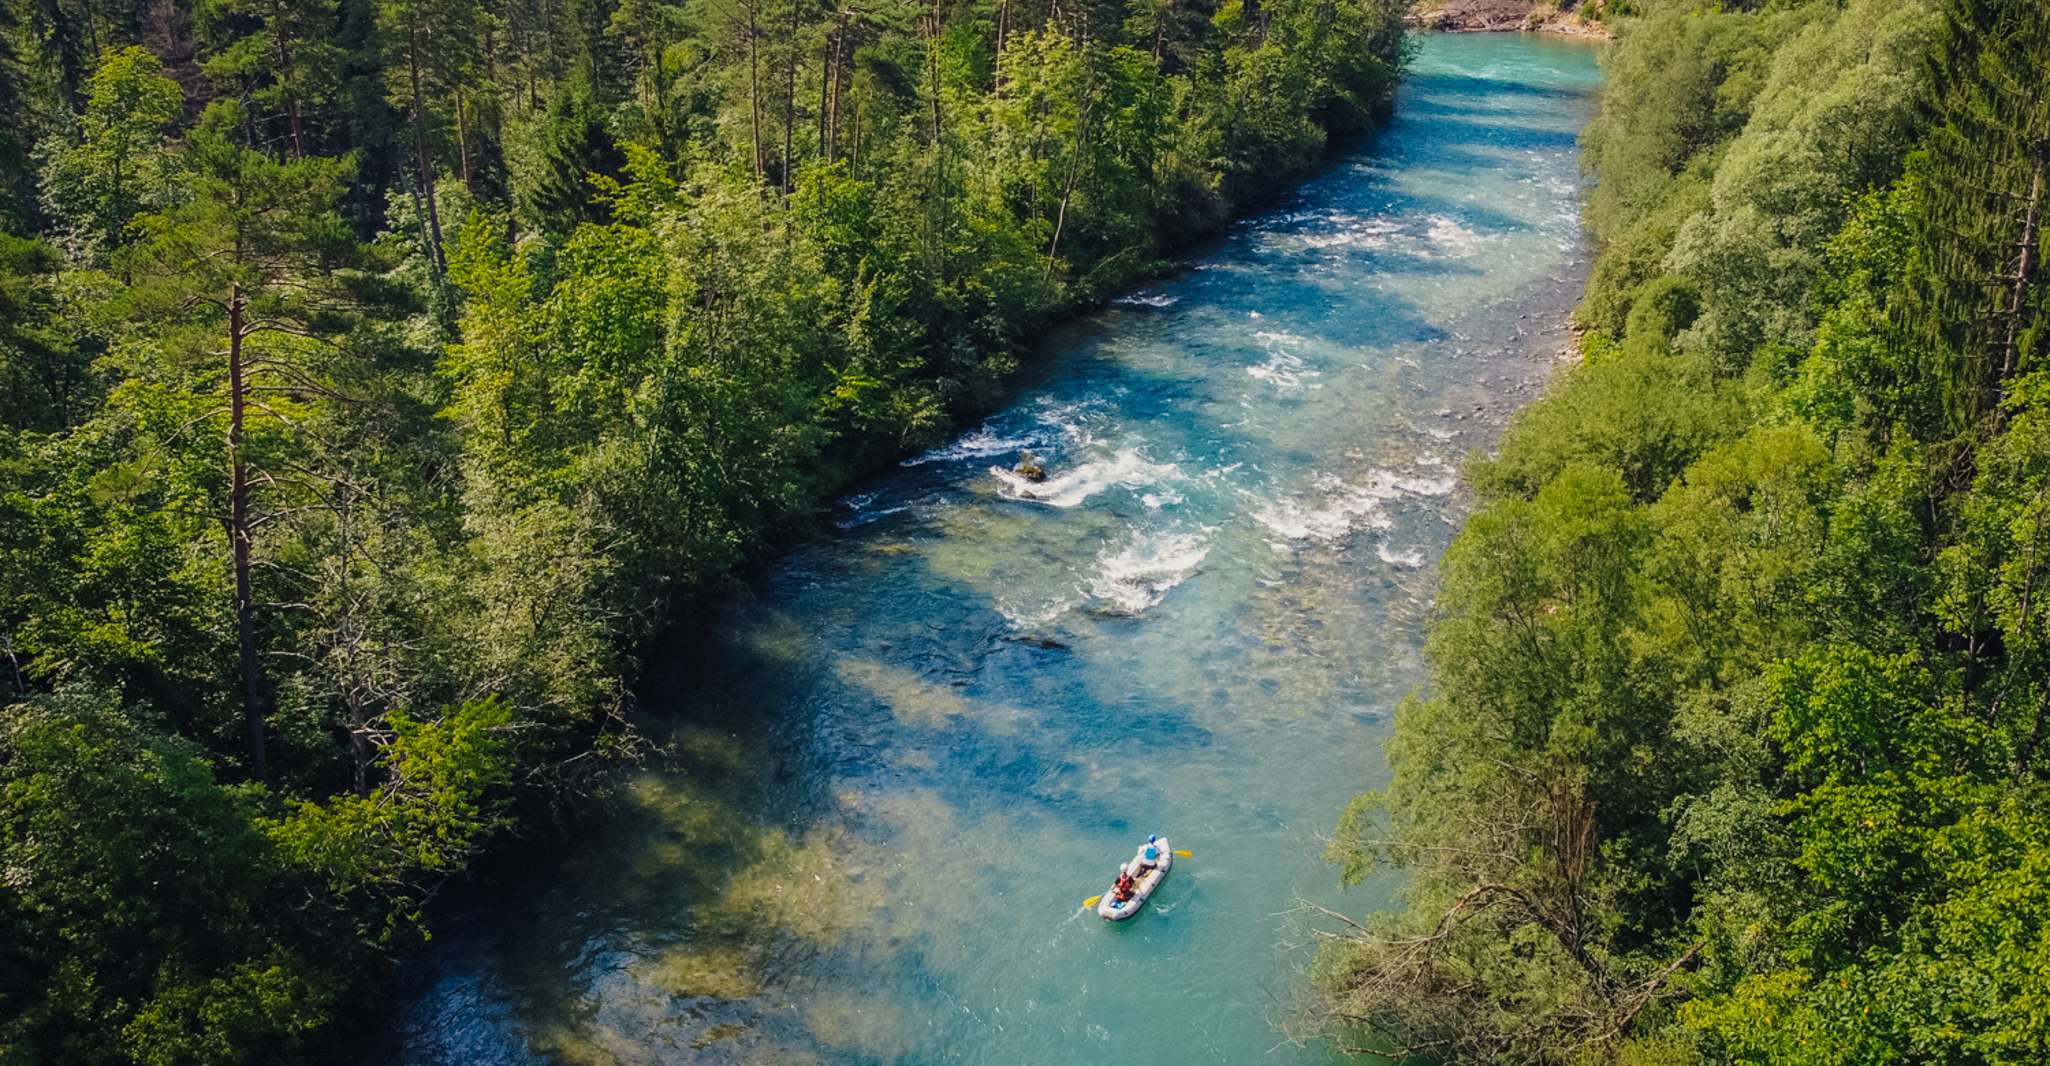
1732,750
376,378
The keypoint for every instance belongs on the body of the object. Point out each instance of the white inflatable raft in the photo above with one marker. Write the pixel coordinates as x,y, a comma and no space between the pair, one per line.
1111,909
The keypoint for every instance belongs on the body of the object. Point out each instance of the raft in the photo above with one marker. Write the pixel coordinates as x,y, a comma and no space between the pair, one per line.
1111,910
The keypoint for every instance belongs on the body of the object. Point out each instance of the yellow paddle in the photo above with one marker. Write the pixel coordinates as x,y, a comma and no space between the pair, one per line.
1179,853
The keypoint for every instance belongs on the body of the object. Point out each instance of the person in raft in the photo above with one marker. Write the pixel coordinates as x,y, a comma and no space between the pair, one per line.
1126,886
1151,858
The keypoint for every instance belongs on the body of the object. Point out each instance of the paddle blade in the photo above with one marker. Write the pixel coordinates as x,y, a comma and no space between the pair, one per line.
1180,854
1090,902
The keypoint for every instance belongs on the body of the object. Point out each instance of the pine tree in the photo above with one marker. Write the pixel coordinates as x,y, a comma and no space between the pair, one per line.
1978,296
430,44
17,191
239,285
285,59
572,145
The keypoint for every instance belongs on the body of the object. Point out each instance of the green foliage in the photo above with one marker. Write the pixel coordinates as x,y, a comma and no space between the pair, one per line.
1972,297
145,915
45,381
122,856
116,166
280,55
444,796
270,1007
1733,748
379,377
1832,119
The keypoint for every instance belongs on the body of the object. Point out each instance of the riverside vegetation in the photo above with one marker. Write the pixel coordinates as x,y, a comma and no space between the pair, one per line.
1735,750
379,375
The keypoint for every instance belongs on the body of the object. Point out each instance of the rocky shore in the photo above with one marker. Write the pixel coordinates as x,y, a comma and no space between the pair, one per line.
1578,18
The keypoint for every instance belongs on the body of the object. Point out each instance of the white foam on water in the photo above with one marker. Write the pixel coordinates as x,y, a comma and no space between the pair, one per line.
1141,572
1290,218
1126,468
1451,238
1423,486
1339,507
1371,234
861,510
1026,612
980,443
862,518
1411,559
1147,299
1066,419
1341,510
1283,369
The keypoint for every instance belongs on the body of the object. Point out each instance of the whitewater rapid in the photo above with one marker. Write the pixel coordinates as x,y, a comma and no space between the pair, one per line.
895,764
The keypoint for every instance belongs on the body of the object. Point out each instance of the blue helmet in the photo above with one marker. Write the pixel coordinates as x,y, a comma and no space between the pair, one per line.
1152,838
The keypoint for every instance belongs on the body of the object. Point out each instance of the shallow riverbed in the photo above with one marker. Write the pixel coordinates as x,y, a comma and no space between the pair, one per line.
933,734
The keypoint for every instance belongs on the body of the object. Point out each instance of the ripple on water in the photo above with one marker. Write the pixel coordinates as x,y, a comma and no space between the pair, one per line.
1285,367
926,741
980,444
1124,468
1449,237
1137,574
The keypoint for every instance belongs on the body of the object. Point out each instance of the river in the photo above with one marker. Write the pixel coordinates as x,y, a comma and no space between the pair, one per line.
924,740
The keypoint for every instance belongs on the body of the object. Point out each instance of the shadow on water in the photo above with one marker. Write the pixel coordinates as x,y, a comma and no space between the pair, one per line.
1438,84
945,685
901,757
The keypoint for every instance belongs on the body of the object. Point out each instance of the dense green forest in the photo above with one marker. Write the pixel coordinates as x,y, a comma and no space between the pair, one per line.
1735,747
377,375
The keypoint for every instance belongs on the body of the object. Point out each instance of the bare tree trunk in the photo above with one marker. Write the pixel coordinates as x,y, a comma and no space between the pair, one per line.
754,89
238,540
463,139
2024,272
997,64
825,93
790,102
349,638
933,64
2027,753
420,150
291,96
939,145
1074,169
833,106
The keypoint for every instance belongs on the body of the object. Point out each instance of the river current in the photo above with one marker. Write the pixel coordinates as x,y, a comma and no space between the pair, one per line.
904,762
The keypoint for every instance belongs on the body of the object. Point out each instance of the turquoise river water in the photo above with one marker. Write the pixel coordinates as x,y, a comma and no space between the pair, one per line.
929,736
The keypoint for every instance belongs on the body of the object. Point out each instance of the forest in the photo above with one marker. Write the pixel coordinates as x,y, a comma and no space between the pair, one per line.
1734,750
377,376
